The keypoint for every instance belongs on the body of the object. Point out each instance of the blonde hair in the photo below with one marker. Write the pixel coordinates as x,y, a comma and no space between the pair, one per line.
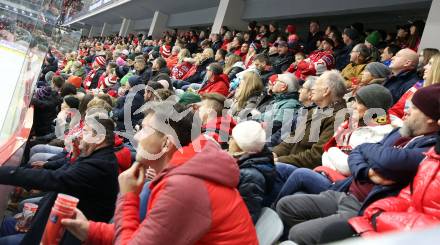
434,77
249,86
208,53
183,53
97,103
230,61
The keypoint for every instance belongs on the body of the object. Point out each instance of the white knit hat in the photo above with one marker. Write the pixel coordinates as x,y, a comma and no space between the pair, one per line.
249,136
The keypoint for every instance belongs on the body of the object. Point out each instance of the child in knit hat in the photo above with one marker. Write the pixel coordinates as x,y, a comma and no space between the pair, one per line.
257,169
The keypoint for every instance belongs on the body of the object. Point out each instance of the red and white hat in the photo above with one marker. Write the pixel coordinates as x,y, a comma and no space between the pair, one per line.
100,60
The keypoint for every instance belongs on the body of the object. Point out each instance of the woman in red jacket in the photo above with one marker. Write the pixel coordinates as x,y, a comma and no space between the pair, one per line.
216,81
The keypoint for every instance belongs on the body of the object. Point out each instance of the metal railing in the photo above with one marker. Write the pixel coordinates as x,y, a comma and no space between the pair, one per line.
88,6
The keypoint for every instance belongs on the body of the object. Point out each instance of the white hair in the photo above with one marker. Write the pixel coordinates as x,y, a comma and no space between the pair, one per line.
310,82
291,81
336,84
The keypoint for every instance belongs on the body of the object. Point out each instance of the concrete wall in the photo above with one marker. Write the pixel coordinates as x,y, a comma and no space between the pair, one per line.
281,9
430,38
142,25
202,17
116,28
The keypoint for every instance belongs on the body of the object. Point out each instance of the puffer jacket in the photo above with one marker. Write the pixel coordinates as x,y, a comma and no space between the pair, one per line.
236,68
282,62
219,84
257,175
417,206
193,201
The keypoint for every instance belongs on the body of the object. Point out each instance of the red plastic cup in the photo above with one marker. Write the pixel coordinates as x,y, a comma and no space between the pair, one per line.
64,208
67,200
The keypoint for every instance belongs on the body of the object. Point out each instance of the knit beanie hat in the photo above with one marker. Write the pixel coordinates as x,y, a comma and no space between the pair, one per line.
378,70
72,101
134,80
131,56
75,81
100,60
250,136
374,38
124,79
351,33
291,29
48,77
375,96
43,92
188,98
427,100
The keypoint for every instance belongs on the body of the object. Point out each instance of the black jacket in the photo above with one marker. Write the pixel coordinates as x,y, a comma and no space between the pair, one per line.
234,71
137,100
93,180
216,46
312,40
257,173
342,56
398,85
281,63
45,111
95,80
145,74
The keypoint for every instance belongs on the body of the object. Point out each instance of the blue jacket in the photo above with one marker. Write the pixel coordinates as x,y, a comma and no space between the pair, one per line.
398,85
137,100
398,164
257,173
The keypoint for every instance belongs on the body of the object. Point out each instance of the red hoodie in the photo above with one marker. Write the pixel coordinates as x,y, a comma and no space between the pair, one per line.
193,201
219,84
201,184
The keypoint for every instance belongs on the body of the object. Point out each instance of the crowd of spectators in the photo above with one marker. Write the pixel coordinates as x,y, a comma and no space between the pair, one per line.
337,131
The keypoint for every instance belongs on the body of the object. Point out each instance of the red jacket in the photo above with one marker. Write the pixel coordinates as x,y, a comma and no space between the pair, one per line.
180,70
171,61
193,201
220,85
398,109
320,59
417,206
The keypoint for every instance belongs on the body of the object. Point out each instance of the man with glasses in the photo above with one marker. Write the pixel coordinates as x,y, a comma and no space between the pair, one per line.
304,146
